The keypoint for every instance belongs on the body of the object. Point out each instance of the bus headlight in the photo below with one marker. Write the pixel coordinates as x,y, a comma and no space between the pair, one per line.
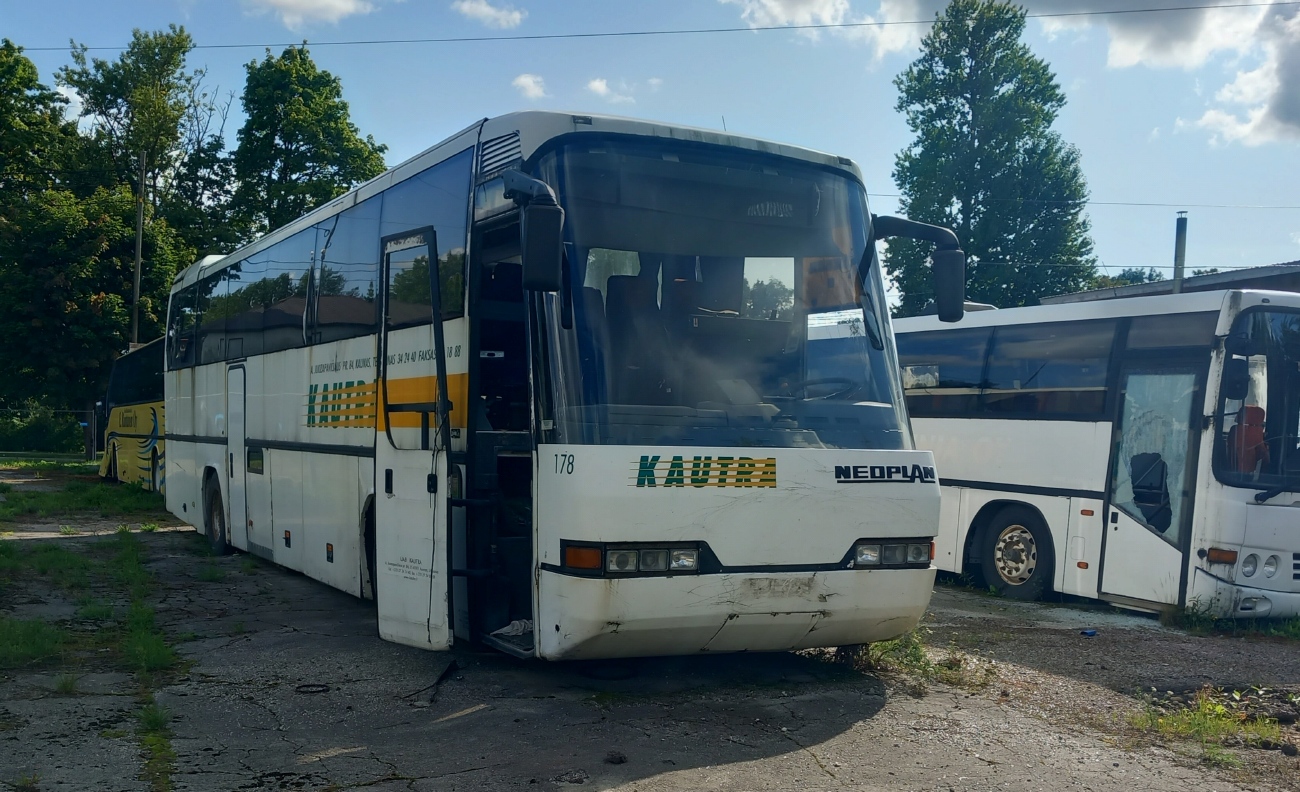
620,560
866,555
654,560
918,554
1249,564
894,554
683,560
1270,566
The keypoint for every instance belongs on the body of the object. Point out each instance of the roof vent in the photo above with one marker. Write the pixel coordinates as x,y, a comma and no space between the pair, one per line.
497,154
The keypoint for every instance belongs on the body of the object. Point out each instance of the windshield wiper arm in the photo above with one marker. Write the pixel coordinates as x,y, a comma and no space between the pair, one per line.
1270,493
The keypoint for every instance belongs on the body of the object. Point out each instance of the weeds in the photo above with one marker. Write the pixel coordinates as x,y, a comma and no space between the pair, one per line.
907,655
149,527
28,643
155,739
211,573
1196,619
1214,756
95,611
80,495
1208,721
28,783
65,684
147,652
248,566
68,530
70,466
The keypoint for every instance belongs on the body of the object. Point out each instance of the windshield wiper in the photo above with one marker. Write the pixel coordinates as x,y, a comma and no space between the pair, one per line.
1270,493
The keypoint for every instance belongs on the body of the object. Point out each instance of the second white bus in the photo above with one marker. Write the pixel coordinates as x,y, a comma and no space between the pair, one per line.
1140,451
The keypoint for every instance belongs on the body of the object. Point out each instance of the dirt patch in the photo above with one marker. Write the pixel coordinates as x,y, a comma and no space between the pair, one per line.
284,684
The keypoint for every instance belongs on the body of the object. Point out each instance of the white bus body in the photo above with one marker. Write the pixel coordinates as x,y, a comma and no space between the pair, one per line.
1140,451
652,460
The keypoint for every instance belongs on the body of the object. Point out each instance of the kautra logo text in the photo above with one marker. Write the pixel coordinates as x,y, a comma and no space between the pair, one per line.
706,471
881,474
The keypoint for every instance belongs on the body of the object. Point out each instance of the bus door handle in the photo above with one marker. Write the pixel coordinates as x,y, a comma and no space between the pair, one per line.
1114,519
388,481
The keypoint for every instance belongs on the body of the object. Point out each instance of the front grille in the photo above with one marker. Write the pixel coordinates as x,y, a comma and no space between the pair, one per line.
497,154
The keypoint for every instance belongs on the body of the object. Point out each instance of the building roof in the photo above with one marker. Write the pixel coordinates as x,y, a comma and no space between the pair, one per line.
1280,277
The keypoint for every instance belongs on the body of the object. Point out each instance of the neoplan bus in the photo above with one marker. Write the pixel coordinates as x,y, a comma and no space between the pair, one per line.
1141,451
134,449
623,423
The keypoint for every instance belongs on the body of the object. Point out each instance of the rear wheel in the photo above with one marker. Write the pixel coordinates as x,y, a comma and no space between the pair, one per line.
1016,555
214,518
112,463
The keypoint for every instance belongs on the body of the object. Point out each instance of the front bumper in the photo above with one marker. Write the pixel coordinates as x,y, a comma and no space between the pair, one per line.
1233,600
587,618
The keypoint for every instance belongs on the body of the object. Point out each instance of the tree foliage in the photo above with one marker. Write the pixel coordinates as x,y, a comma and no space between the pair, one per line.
1127,277
298,147
986,163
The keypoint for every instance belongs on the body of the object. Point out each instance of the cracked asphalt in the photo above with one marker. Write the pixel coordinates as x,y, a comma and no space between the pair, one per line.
289,687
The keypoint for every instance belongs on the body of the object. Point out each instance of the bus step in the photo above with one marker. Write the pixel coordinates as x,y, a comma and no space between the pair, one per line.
517,645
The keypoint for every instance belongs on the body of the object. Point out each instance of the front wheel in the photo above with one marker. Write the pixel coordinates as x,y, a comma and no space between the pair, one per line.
214,518
1016,555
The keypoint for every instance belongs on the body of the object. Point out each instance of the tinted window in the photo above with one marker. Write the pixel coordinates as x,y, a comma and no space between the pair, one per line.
942,371
347,275
242,306
210,318
1049,368
180,329
288,266
437,197
137,377
1173,330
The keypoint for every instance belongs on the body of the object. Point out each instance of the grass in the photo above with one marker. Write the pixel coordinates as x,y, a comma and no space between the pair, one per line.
908,656
211,573
49,464
68,530
65,684
248,566
148,527
95,611
25,643
27,783
1209,721
1198,621
155,738
81,496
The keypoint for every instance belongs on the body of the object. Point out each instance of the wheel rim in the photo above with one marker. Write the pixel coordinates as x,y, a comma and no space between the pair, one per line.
1015,555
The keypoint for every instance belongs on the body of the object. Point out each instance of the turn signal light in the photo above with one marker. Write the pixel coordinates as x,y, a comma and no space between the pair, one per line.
1218,555
578,557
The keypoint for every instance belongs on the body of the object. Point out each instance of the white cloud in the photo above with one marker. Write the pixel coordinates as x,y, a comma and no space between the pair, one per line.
72,110
655,83
600,87
297,13
490,15
1154,134
532,86
1258,103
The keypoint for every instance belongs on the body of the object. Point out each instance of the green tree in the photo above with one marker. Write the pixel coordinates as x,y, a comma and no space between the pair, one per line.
298,147
66,266
986,163
34,137
770,299
1127,277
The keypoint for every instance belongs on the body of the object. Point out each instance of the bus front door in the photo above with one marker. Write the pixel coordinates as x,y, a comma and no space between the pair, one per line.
1148,515
411,566
236,424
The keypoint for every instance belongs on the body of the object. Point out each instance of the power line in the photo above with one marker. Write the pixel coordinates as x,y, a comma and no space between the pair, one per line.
699,31
1119,203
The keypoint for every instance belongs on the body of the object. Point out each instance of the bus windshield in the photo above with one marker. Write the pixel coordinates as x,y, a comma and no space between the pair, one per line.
1259,442
717,299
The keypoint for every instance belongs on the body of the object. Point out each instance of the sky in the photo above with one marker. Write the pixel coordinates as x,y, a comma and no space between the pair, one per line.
1178,109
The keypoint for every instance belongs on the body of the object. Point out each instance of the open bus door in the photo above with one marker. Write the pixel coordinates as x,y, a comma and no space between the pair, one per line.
1150,494
411,564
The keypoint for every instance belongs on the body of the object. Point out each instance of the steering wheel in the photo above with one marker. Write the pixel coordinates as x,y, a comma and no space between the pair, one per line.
848,386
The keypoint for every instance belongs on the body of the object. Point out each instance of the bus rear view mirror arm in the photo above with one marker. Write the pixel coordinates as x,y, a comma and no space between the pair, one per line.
947,262
541,230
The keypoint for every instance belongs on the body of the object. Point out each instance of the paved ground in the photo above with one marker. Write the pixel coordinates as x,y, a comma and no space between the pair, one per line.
289,688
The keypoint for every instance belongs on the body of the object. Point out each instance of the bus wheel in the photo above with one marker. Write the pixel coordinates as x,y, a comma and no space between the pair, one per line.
112,464
214,518
1016,556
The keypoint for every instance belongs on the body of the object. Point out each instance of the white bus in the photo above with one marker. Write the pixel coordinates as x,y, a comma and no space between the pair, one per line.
1141,451
620,425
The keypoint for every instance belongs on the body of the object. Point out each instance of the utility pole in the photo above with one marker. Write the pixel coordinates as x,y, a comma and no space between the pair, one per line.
139,250
1180,250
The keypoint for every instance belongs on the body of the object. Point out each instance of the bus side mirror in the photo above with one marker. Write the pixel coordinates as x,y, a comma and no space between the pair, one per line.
1240,344
948,273
543,246
1236,379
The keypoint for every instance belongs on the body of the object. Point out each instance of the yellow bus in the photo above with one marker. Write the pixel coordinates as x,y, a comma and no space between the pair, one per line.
133,431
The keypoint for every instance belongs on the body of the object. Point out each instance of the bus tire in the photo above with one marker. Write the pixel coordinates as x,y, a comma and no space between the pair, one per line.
111,473
214,518
1016,554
